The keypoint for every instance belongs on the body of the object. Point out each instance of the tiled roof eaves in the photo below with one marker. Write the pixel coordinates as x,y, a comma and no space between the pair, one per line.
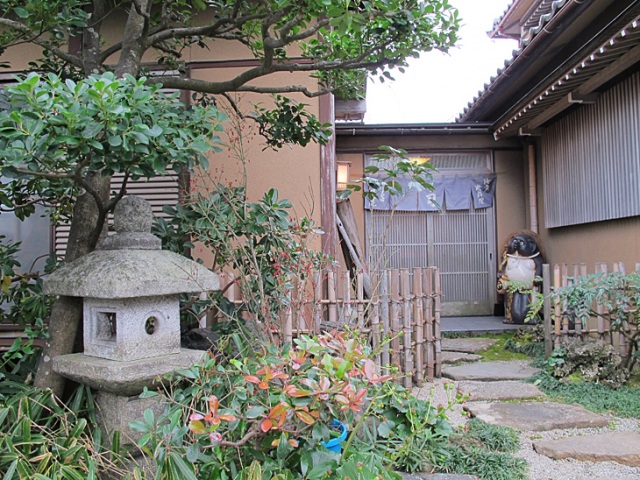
569,81
556,6
498,21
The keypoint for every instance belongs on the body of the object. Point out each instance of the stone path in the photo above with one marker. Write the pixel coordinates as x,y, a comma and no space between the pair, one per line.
559,441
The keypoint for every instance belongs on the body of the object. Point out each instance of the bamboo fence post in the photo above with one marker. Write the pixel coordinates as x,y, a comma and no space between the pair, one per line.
317,304
360,299
622,340
405,289
565,318
346,300
418,318
288,324
546,310
395,317
375,322
331,294
602,268
384,313
557,307
436,320
578,322
427,288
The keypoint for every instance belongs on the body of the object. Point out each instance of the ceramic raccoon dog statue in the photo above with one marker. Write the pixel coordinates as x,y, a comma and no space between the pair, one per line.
522,263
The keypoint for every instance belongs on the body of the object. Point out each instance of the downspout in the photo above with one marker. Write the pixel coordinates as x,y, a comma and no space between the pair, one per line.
533,192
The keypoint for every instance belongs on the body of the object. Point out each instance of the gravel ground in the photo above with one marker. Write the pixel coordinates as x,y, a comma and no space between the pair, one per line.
540,466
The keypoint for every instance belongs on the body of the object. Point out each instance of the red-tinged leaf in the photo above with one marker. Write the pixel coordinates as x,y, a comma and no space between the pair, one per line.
293,443
252,379
266,425
278,411
341,399
196,426
263,385
213,404
227,417
196,416
369,369
305,417
275,443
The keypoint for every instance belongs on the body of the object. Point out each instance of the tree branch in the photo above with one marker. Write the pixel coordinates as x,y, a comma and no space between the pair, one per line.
48,175
24,30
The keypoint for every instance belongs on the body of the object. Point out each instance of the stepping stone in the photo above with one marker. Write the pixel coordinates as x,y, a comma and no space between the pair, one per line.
536,416
502,390
490,371
457,357
466,345
620,447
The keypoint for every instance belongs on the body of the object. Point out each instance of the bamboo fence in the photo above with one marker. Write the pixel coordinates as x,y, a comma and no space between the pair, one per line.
402,320
560,326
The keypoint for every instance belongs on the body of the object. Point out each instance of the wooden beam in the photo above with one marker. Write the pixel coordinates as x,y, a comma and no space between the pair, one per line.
623,63
585,92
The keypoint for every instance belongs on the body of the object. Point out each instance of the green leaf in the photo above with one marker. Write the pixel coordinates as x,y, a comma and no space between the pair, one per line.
186,473
21,12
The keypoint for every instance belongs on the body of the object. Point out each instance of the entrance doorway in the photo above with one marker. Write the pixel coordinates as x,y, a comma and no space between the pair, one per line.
461,242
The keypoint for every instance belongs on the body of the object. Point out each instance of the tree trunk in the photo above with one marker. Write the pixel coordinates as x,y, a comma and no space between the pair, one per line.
66,314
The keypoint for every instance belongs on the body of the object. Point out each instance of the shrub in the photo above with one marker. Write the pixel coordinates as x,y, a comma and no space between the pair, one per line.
276,409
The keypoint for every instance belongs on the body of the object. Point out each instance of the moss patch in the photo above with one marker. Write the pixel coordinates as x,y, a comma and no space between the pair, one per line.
497,352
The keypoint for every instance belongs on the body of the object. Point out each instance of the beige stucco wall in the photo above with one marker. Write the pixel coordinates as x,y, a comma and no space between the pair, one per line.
511,210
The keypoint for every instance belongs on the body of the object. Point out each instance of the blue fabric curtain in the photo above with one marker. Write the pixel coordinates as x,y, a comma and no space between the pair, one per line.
453,192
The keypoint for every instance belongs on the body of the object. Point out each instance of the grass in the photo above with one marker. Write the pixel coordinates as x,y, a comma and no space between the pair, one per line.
485,451
622,402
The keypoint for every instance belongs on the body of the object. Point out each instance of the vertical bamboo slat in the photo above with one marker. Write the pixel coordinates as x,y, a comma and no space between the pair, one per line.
346,304
430,352
622,340
384,314
565,319
576,274
317,305
418,319
405,292
331,294
557,307
375,321
546,313
438,345
601,268
395,317
360,299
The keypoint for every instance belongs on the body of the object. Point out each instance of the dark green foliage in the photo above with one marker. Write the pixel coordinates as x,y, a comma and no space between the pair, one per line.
487,465
40,437
493,437
528,341
619,296
622,402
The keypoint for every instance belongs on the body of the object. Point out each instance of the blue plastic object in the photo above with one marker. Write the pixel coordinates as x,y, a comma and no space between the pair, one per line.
335,444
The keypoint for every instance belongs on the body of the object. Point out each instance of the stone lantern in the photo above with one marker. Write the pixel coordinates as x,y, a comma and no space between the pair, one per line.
131,315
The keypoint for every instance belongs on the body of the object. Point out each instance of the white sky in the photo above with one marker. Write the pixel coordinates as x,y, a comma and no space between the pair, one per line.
436,87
